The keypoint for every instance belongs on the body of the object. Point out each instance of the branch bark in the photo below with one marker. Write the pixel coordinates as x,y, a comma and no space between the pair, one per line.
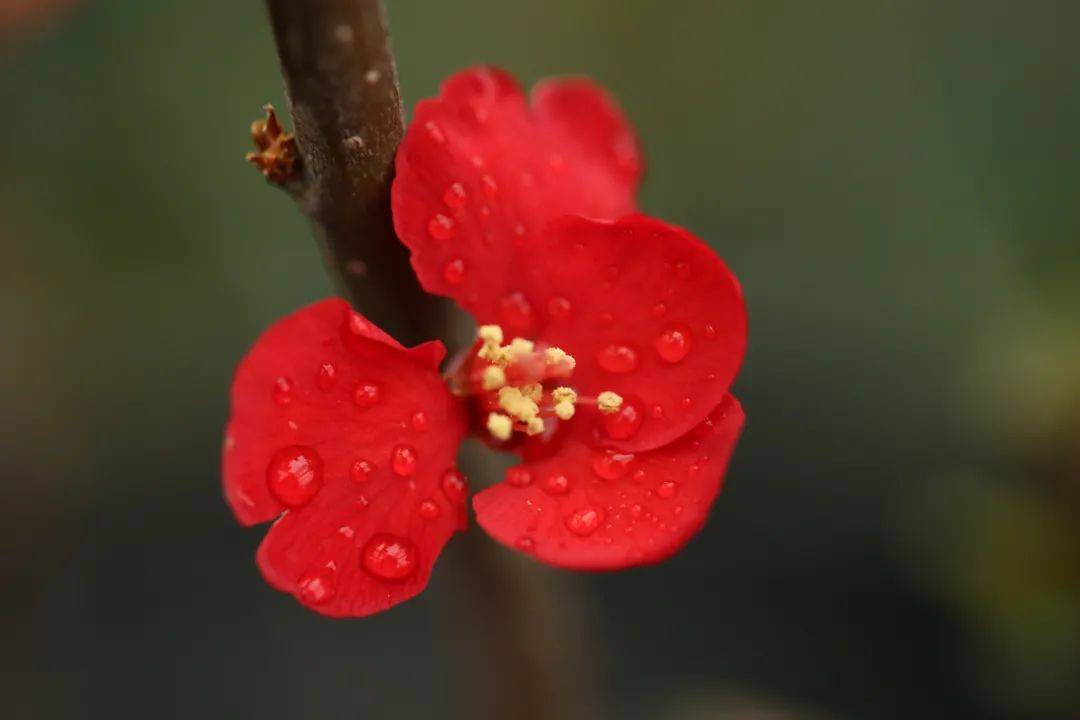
523,632
342,86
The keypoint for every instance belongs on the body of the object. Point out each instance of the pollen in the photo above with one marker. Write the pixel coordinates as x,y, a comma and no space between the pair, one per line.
534,426
533,391
494,377
514,402
564,409
520,348
563,394
608,402
490,334
500,426
558,356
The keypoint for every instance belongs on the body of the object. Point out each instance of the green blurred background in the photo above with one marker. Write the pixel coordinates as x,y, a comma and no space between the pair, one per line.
895,183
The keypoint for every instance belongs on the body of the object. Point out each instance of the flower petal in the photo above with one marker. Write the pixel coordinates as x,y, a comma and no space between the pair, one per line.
480,172
591,511
335,422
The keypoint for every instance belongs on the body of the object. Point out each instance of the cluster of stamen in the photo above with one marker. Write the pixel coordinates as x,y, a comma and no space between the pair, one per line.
522,399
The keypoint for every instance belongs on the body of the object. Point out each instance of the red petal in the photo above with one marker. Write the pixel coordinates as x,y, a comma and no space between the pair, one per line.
584,510
654,315
480,172
336,422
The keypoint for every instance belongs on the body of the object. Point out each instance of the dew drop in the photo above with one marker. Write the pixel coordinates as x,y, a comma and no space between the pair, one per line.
366,394
659,310
454,486
617,358
624,422
515,312
490,188
435,132
556,484
389,557
558,306
403,461
282,391
639,475
584,522
667,489
317,587
294,475
454,197
657,412
327,377
440,227
454,271
686,402
693,470
636,510
710,332
673,344
428,509
682,270
360,471
519,477
358,325
525,543
419,421
611,465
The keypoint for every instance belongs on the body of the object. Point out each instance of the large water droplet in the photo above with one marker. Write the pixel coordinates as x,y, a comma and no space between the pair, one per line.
403,461
556,484
584,522
360,471
454,271
282,391
366,394
519,477
624,422
611,465
428,509
389,557
327,377
515,312
673,344
454,196
440,227
294,475
317,587
454,486
617,358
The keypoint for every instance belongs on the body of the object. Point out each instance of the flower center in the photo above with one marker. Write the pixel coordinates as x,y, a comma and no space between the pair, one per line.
524,387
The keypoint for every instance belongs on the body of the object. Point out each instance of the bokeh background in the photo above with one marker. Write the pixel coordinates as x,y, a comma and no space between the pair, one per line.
896,185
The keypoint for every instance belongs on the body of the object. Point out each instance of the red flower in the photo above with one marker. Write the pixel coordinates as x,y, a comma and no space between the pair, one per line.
608,343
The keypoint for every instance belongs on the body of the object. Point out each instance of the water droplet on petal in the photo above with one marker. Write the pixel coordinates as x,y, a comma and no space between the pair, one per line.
611,465
693,470
584,522
317,587
428,509
515,312
686,402
435,132
639,475
624,422
361,470
558,306
519,477
454,271
366,394
454,196
358,325
636,510
419,421
682,270
673,344
327,377
617,358
294,475
667,489
556,484
282,391
490,188
389,557
657,412
659,310
454,486
710,332
441,227
403,461
525,543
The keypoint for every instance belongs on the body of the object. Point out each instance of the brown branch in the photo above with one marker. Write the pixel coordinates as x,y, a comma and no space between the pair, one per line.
346,106
523,635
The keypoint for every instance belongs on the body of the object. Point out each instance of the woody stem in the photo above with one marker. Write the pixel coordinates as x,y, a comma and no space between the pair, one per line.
520,627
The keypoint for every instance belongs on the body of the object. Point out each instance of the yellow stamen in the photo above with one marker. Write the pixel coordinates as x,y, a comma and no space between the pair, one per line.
533,391
499,426
564,409
557,356
563,394
490,334
520,347
535,426
517,405
608,402
493,378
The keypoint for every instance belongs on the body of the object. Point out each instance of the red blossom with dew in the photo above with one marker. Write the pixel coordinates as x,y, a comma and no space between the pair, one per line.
607,346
